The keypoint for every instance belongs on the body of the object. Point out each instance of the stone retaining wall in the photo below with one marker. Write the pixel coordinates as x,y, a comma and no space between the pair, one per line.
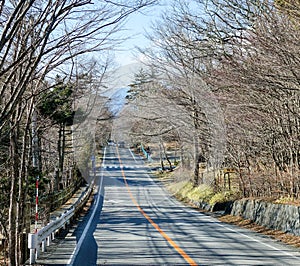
281,217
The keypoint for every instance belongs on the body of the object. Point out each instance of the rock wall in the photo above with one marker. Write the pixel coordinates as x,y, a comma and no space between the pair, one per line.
281,217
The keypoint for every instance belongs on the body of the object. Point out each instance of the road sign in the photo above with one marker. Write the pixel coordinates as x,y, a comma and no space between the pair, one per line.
229,170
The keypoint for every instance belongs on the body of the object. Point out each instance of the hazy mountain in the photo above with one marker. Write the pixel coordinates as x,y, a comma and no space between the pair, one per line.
124,75
118,100
118,86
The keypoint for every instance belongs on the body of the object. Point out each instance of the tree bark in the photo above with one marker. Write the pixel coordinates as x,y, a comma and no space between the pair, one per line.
196,180
12,202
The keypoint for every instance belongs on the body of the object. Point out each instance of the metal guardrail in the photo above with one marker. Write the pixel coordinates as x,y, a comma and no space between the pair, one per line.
38,241
147,154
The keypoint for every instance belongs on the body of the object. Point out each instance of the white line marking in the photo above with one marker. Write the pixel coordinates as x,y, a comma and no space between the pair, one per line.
217,222
221,224
132,155
78,246
256,240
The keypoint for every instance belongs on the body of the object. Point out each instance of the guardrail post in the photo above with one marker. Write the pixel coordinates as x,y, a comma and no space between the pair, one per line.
44,245
32,245
32,256
38,241
49,240
38,251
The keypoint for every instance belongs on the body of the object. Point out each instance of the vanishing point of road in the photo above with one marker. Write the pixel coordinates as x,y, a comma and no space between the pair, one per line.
135,221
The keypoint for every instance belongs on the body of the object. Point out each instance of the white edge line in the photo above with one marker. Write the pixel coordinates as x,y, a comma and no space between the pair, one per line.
79,243
226,226
256,240
132,155
217,222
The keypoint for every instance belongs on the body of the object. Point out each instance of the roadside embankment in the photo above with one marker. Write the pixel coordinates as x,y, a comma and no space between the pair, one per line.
280,221
281,217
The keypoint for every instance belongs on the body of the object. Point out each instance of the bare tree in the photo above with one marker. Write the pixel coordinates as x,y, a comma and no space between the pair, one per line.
247,53
39,39
182,55
269,81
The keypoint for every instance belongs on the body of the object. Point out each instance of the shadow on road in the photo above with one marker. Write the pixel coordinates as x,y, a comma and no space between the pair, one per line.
88,252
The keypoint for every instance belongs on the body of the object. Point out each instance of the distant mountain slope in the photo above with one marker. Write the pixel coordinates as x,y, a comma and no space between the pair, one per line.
124,75
118,100
118,85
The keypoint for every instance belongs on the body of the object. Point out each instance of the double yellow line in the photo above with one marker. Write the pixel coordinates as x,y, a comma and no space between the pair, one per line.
169,239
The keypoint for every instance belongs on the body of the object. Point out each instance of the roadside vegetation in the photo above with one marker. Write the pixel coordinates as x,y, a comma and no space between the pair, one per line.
183,189
54,60
218,98
191,195
221,82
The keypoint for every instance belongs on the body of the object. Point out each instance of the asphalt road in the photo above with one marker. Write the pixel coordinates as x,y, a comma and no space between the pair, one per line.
134,221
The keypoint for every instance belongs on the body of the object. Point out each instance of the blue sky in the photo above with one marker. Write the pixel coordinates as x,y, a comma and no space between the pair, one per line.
136,26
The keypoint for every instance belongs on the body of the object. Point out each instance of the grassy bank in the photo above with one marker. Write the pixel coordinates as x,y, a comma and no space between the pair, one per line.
178,184
182,187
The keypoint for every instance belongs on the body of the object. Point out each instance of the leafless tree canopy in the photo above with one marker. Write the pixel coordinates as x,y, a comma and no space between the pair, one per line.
232,67
223,84
52,54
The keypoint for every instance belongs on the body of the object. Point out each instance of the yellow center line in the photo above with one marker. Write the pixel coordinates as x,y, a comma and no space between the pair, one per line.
169,239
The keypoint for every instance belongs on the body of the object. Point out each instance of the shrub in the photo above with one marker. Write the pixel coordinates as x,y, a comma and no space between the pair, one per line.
287,200
201,193
186,189
223,197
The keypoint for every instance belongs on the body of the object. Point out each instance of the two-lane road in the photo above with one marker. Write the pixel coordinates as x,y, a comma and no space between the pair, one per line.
134,221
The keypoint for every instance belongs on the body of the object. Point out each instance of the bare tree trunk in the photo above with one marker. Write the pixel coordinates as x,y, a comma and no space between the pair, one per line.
21,214
166,156
61,151
58,174
182,159
196,180
12,202
161,158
